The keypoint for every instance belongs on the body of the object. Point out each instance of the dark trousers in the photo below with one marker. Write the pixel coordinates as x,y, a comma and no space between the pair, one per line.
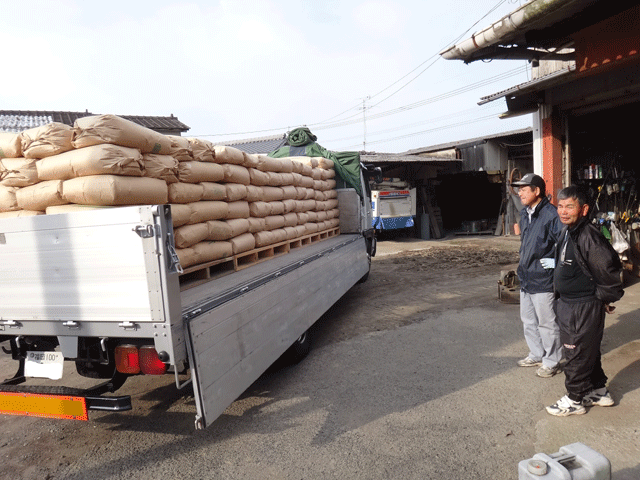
581,328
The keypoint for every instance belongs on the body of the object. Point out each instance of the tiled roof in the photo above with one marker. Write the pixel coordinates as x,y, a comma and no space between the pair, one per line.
258,145
19,120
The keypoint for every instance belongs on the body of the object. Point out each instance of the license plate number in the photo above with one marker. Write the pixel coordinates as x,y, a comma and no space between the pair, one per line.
44,365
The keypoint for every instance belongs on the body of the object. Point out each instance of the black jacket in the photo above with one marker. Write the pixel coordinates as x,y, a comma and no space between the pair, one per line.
537,240
597,259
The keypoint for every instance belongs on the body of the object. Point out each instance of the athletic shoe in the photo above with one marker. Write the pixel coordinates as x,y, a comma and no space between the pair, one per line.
546,372
565,407
599,400
529,362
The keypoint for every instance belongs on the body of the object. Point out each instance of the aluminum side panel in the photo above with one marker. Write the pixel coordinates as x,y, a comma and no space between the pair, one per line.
233,344
77,267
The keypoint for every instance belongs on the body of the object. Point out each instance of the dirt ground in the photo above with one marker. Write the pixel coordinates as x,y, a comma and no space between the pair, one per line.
408,279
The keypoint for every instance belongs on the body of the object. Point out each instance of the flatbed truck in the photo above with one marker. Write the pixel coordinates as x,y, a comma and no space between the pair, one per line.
104,289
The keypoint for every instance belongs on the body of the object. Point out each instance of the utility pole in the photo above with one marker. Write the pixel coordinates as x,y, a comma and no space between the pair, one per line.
364,122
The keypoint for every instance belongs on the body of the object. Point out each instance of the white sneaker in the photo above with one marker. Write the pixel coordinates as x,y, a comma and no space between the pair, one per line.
529,362
565,407
599,400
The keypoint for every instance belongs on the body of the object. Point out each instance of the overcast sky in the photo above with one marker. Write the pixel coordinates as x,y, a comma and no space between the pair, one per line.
235,69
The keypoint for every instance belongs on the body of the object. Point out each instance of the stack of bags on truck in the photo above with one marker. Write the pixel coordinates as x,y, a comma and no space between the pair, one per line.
224,201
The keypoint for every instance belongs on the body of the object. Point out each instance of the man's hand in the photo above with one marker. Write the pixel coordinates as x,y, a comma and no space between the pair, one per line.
548,263
609,308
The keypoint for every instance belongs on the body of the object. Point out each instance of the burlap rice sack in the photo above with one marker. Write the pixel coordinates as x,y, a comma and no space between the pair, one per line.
302,218
290,219
258,178
289,205
180,148
325,163
251,160
104,159
291,232
164,167
259,209
204,211
187,257
256,224
214,191
41,195
236,174
254,193
18,172
196,172
274,221
47,140
188,235
180,214
8,200
115,190
243,243
209,251
311,227
236,191
264,239
202,150
279,234
98,129
289,192
219,230
310,161
185,192
328,174
238,226
239,209
225,154
268,164
277,208
10,145
272,193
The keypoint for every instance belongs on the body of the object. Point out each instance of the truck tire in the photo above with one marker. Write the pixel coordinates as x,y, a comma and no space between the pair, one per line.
300,348
366,275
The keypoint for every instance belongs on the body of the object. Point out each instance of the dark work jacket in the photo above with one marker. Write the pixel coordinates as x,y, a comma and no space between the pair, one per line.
597,259
537,240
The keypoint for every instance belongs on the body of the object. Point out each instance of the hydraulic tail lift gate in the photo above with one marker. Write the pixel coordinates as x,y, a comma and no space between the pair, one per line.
235,335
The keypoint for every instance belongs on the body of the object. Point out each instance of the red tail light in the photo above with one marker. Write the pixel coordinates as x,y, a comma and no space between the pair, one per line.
150,363
127,359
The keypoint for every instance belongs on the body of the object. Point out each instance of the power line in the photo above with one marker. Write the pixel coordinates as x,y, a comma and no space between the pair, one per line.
318,124
466,112
422,132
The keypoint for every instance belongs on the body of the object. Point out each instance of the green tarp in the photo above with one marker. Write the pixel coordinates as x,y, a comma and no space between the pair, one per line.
301,142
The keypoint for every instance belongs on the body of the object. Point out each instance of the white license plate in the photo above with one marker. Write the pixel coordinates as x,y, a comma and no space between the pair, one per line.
44,365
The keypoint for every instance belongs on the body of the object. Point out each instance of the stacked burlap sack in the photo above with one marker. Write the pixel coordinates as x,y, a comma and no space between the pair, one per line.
224,201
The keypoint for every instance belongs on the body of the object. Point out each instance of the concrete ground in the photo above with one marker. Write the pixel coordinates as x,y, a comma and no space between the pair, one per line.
412,376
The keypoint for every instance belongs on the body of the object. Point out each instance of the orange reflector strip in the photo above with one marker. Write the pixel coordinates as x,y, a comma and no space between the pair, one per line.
49,406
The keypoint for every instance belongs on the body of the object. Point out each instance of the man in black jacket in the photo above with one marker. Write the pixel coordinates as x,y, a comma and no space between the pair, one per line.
539,231
586,280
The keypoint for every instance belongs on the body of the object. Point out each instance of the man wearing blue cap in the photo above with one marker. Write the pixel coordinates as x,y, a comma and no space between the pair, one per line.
540,228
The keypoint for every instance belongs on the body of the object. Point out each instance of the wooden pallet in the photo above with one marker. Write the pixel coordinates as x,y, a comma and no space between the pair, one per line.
205,272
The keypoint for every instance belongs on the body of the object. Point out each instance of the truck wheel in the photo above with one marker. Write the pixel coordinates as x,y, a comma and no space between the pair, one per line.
300,348
366,275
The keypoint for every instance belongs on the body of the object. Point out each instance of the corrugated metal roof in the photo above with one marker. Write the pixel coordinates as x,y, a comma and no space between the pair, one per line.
463,143
257,145
559,76
401,158
19,120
